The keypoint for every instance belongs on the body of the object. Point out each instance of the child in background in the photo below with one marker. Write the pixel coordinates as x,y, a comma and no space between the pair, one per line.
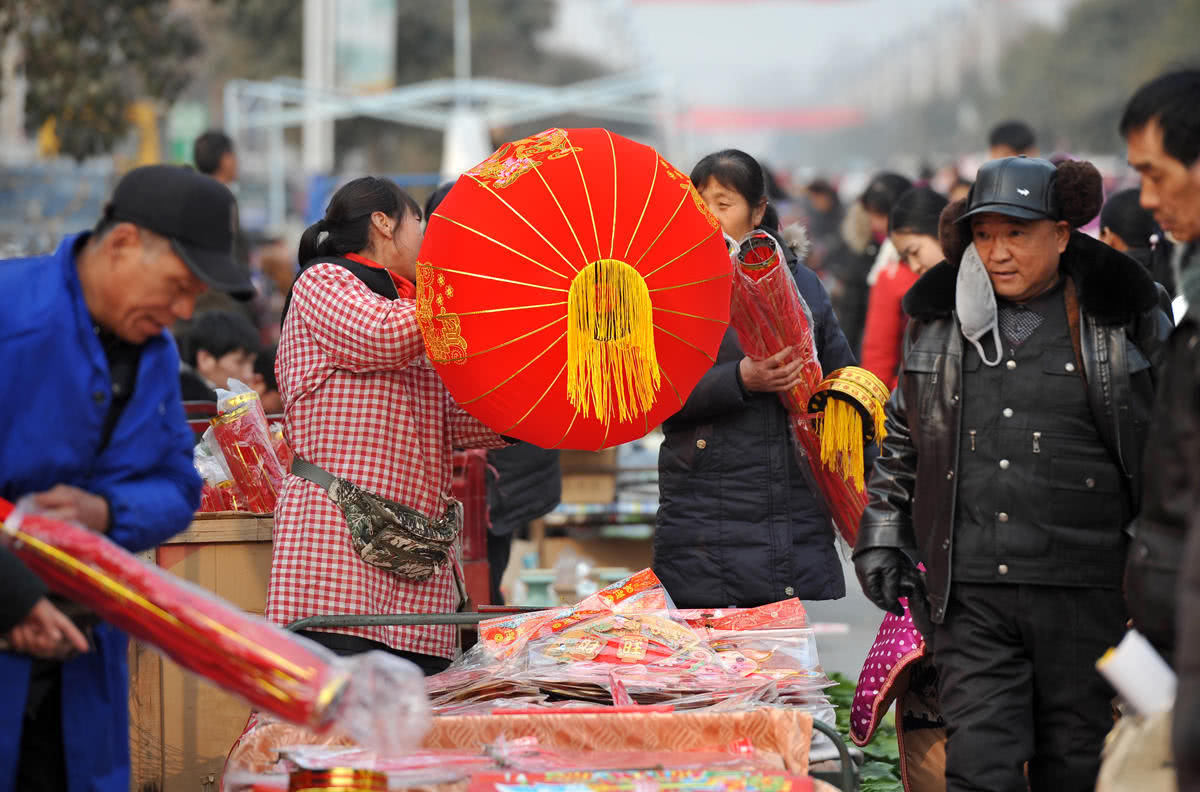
264,381
1126,226
214,347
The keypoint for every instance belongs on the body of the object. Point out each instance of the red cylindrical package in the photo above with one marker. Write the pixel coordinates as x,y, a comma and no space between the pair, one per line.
242,653
241,433
769,314
219,492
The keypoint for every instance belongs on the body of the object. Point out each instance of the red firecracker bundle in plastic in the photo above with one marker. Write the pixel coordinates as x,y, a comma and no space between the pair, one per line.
769,314
210,499
219,492
282,450
291,677
831,418
241,433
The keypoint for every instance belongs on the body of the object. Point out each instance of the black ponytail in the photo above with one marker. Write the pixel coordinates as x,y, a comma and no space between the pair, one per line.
347,219
309,247
770,219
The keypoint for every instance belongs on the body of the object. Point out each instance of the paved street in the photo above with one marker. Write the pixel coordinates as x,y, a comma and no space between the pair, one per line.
845,651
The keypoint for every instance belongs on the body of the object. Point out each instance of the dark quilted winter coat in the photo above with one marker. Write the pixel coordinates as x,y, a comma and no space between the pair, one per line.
737,524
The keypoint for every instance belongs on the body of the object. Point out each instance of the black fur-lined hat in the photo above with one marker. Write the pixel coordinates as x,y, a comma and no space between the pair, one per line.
1027,188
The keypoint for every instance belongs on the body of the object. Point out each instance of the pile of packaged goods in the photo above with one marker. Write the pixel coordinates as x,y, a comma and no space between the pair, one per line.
241,458
627,645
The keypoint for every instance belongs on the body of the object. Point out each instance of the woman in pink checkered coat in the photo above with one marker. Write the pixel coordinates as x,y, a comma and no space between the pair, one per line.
362,402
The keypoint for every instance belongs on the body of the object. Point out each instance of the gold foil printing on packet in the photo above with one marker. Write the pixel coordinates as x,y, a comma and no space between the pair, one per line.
231,415
242,398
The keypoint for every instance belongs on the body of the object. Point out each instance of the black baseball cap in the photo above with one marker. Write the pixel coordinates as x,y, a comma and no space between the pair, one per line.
195,212
1021,187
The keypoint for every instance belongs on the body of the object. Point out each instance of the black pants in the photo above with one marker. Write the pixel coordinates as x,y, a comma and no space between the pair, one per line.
346,645
499,549
1018,683
42,764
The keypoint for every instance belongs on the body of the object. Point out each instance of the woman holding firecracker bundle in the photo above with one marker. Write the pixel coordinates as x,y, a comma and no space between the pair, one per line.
363,405
737,523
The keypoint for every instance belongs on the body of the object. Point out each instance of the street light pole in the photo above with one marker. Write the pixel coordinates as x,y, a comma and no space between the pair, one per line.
462,45
318,80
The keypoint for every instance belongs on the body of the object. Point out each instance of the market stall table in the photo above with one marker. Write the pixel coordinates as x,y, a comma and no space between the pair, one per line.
487,712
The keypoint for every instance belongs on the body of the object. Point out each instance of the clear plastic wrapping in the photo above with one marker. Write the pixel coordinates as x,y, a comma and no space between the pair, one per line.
219,492
283,451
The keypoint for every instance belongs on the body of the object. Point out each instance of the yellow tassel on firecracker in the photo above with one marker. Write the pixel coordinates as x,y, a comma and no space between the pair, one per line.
612,369
842,440
880,420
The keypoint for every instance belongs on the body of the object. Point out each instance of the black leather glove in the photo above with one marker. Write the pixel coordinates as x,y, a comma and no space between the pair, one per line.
913,587
882,571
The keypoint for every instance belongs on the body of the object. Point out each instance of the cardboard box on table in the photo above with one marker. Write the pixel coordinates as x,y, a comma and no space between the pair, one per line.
589,476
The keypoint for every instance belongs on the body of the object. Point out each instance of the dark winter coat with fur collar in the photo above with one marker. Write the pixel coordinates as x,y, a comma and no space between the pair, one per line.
1118,329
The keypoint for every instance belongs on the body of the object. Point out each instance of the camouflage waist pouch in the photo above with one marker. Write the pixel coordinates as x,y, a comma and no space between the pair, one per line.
387,534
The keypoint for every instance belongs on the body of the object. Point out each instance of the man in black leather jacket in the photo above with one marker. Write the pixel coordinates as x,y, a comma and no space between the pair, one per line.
1011,466
1161,125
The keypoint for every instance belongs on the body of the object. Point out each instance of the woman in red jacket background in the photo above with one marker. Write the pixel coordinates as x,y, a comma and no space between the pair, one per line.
913,229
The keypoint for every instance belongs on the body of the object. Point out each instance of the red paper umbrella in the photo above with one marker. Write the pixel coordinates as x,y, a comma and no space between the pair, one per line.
572,289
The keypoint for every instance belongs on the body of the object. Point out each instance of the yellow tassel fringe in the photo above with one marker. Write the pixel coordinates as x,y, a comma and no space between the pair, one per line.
880,427
612,369
841,432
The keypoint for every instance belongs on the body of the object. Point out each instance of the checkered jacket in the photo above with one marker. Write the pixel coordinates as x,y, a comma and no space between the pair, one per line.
362,401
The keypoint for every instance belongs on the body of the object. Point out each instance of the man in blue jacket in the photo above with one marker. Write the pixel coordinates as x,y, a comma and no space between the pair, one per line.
94,432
